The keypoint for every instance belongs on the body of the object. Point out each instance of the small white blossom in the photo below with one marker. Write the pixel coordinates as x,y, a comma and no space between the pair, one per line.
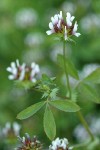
23,72
34,39
87,69
65,28
58,144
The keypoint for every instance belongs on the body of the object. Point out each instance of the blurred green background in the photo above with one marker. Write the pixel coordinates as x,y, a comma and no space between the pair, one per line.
23,26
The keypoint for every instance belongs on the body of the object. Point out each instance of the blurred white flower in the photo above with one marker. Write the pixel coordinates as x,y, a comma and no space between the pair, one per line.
87,69
11,129
23,72
16,128
32,54
80,133
58,144
69,6
95,125
90,22
65,28
57,49
34,39
14,69
26,17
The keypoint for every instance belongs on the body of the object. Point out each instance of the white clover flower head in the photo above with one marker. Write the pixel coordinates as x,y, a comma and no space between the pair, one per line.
59,144
23,72
28,143
63,27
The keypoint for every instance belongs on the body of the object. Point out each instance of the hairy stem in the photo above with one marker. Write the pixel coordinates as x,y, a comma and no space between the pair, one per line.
66,73
83,121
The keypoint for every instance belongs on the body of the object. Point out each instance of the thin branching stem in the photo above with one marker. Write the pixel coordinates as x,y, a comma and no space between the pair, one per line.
83,121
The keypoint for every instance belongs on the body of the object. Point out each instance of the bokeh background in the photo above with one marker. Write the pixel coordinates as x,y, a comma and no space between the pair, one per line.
23,26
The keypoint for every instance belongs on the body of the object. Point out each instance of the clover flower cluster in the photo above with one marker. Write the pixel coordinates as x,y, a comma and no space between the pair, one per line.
23,72
29,144
65,28
59,144
11,130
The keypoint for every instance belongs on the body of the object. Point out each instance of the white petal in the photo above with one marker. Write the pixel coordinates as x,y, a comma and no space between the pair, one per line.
49,32
56,18
11,77
59,24
53,20
68,15
37,70
33,80
72,18
14,71
17,62
77,34
69,23
13,65
32,65
22,75
51,25
75,27
9,69
60,15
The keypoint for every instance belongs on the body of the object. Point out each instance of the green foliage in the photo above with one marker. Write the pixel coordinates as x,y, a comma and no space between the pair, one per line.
28,112
65,105
69,66
49,123
94,77
87,92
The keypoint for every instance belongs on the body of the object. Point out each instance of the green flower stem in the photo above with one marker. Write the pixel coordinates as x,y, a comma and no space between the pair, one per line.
68,85
65,67
85,124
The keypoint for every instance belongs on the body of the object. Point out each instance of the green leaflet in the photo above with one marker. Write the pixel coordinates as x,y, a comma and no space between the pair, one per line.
87,92
28,112
69,66
65,105
49,123
94,77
